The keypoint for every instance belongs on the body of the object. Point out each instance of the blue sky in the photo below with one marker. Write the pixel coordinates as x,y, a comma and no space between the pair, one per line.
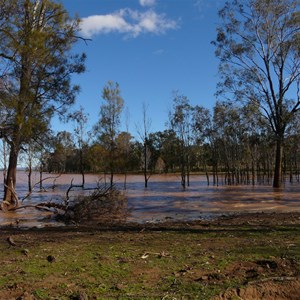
151,48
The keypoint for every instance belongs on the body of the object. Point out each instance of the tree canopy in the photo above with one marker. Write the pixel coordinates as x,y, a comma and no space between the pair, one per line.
36,64
258,43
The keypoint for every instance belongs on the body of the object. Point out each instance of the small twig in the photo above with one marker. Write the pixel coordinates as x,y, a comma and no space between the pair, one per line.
83,39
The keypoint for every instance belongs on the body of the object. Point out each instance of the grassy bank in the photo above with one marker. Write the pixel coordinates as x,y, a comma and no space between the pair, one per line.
171,261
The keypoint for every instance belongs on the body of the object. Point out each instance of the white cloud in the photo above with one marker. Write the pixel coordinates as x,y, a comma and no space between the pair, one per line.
159,52
103,24
147,2
127,21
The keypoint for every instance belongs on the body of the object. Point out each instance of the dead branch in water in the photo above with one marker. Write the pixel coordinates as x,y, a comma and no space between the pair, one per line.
104,204
43,206
37,183
101,190
6,203
69,189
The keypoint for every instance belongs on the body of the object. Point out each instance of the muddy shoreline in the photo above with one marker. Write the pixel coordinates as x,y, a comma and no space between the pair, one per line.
265,220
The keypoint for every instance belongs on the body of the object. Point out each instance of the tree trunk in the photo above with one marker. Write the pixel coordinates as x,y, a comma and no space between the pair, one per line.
111,178
41,177
253,172
145,164
4,161
183,179
146,179
183,172
82,168
278,163
125,180
10,197
29,177
188,170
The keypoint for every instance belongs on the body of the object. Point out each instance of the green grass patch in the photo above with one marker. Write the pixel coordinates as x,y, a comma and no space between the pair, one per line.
166,264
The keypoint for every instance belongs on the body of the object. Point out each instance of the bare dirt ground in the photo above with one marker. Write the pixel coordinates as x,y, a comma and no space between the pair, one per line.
242,256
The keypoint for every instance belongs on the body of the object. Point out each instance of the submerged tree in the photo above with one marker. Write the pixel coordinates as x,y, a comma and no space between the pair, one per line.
36,65
258,44
144,132
80,119
201,127
109,123
181,124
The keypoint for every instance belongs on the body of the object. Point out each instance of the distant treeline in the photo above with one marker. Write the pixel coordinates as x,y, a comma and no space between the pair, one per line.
233,141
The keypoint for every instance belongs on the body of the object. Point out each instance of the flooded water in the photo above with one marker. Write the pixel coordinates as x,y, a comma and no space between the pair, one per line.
163,200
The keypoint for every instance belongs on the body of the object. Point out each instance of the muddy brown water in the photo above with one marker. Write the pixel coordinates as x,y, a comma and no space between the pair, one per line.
164,199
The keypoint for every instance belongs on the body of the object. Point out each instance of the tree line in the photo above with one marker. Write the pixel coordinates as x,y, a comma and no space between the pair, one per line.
230,145
250,136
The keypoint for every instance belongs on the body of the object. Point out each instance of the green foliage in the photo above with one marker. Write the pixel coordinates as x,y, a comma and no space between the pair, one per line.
257,44
35,68
36,40
164,145
110,112
254,38
108,126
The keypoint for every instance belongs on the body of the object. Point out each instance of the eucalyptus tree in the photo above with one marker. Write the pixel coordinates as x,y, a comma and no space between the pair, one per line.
165,145
258,43
292,151
126,146
201,128
242,143
36,64
31,157
95,157
144,133
62,157
108,127
181,120
80,118
228,124
123,155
